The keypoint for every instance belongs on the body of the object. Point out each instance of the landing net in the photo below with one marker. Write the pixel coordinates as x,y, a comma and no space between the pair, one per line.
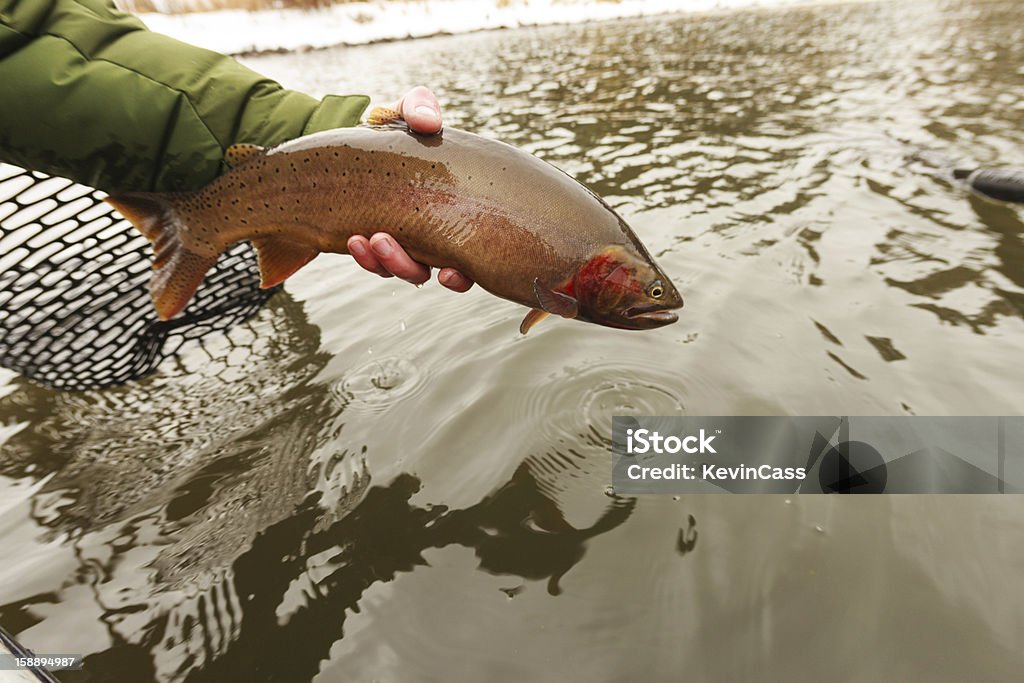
75,311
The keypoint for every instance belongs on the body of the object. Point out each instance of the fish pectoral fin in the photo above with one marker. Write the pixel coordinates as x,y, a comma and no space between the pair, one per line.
532,318
241,154
555,302
383,116
279,258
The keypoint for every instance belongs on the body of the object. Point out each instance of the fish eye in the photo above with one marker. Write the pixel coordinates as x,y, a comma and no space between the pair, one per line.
656,290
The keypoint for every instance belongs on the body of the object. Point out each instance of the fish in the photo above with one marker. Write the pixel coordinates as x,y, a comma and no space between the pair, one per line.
519,227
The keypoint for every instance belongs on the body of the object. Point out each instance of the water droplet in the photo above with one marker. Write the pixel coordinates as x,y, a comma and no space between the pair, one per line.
419,286
609,491
512,592
789,501
376,384
820,529
401,325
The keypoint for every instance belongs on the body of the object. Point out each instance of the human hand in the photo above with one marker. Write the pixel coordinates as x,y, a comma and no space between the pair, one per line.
381,254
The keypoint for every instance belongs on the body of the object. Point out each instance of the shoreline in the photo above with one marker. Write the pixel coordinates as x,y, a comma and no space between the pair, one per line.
240,32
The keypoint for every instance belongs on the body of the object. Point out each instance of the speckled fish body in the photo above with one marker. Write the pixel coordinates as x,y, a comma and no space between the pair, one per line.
521,228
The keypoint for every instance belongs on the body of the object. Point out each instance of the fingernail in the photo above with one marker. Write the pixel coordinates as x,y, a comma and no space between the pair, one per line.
382,246
446,277
357,249
428,111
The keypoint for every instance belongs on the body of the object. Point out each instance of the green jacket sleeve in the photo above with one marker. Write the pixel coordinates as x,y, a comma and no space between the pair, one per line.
89,93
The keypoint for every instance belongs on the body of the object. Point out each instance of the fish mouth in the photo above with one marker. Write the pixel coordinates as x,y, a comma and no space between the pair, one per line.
652,314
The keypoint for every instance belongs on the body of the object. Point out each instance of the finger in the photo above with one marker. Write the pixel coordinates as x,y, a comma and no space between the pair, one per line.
454,280
359,247
421,110
393,257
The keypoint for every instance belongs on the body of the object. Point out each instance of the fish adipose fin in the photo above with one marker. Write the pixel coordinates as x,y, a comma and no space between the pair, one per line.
178,270
532,318
555,302
280,258
239,155
383,116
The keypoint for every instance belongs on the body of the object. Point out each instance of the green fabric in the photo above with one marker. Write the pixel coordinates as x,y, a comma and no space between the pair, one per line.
89,93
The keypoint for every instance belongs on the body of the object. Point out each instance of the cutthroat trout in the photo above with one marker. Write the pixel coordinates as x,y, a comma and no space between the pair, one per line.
519,227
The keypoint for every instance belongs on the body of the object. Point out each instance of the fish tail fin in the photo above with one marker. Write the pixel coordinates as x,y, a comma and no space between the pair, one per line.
177,271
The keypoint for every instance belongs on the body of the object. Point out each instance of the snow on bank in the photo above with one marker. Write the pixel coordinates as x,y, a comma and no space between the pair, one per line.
235,31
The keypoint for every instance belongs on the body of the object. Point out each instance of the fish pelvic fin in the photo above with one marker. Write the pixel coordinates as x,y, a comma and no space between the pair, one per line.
177,270
280,258
532,318
554,301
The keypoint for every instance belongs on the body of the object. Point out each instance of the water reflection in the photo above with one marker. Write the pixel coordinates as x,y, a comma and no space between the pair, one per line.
221,505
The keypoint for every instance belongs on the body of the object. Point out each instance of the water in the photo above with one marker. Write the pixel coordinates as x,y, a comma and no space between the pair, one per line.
374,482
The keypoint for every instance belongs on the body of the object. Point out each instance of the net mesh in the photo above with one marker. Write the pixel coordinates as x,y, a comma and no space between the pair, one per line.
75,311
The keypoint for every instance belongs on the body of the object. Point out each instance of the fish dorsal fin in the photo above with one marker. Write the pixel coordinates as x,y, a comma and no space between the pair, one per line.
243,153
532,318
558,303
383,116
279,258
